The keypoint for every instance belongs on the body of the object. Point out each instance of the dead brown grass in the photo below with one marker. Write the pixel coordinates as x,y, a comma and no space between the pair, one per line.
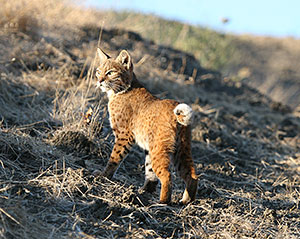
246,147
27,16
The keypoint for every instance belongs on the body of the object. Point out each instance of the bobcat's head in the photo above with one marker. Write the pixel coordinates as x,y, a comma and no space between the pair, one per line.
114,75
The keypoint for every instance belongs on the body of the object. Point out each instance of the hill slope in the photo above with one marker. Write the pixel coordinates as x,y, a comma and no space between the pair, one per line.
245,146
270,65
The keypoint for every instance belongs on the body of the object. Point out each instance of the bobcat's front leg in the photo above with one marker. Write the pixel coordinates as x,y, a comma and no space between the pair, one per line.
123,144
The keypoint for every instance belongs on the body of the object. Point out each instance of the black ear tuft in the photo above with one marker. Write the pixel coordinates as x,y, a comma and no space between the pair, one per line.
102,55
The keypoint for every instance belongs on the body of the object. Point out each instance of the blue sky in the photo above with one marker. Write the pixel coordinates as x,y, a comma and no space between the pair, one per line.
261,17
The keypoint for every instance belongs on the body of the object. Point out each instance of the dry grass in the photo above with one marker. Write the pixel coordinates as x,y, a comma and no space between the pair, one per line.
27,16
245,146
211,48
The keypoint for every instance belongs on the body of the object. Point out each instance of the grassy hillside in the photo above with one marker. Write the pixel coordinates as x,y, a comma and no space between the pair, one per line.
269,64
212,49
245,145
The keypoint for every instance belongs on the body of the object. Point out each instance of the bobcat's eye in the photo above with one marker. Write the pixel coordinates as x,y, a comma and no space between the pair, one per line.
108,73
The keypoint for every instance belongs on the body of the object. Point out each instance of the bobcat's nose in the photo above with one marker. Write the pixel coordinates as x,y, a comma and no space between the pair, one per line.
99,81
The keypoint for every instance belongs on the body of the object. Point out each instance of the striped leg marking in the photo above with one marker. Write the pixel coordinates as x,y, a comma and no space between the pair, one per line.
120,150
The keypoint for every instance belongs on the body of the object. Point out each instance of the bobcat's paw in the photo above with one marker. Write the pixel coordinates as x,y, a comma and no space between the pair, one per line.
149,186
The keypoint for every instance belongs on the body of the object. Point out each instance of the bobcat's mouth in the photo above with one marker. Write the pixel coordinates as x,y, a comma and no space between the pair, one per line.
103,86
113,87
98,84
106,86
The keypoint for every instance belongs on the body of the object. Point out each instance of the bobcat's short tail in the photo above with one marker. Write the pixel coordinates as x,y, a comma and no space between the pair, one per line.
184,114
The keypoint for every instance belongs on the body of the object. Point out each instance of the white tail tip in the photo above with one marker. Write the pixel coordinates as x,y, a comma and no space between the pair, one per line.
184,114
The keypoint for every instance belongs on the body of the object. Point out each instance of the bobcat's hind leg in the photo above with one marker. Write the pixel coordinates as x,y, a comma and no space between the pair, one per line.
186,171
160,165
190,190
184,165
151,180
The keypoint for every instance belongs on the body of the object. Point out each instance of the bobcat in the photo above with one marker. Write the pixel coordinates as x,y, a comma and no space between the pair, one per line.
160,127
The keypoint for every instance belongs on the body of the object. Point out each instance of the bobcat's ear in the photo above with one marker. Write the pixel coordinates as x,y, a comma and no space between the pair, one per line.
125,59
102,55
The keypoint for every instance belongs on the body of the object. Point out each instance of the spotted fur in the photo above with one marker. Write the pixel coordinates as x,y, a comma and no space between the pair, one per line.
160,127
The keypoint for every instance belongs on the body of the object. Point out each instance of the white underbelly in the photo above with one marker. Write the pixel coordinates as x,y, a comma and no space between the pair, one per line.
142,141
